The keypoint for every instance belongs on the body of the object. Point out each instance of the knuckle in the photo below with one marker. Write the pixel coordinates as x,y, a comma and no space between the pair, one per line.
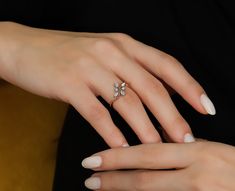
78,70
85,60
75,66
191,84
114,134
113,159
151,135
148,156
68,80
97,112
169,62
159,87
131,99
66,90
122,36
154,86
168,59
173,60
179,122
105,45
141,180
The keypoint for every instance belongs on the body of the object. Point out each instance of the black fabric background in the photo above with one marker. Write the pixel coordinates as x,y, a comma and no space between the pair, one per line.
198,33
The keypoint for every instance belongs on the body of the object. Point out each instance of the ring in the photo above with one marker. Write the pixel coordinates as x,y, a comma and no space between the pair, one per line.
119,90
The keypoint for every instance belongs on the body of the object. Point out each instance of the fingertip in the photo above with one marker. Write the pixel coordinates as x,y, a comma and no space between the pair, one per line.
207,104
125,145
115,139
182,134
92,162
189,138
93,183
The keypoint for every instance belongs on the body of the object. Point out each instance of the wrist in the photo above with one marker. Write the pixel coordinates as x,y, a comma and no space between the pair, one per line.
15,38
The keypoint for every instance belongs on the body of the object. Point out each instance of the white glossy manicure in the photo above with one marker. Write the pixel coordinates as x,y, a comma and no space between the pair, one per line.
92,162
188,138
207,104
93,183
125,145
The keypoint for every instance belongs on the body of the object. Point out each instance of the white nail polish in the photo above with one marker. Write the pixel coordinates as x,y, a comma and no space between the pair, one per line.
125,145
188,138
92,162
93,183
207,104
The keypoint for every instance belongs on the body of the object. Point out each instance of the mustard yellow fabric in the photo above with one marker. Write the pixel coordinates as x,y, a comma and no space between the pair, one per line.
29,129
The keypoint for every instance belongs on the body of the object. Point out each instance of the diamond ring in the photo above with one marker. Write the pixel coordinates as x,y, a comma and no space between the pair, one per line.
119,90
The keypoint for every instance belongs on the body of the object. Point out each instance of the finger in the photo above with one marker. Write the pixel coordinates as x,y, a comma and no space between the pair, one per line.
148,156
132,110
172,72
85,102
136,180
166,136
129,106
201,140
154,95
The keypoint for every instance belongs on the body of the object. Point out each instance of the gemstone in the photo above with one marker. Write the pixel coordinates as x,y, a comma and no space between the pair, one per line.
116,94
123,88
116,89
123,84
116,85
122,92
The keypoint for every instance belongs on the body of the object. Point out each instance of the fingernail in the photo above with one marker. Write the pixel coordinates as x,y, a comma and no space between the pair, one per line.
188,138
207,104
125,145
93,183
92,162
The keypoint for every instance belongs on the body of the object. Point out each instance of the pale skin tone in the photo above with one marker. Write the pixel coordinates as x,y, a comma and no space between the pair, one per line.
77,67
199,166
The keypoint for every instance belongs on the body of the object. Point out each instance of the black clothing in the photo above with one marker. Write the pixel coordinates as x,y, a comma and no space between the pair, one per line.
200,34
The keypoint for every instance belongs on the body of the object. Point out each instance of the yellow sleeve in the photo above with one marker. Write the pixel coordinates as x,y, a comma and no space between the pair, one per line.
29,130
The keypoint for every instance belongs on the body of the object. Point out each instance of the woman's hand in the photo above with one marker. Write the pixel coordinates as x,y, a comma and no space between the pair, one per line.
77,67
201,166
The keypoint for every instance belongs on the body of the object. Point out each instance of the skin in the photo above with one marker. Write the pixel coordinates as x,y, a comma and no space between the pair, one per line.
199,166
77,67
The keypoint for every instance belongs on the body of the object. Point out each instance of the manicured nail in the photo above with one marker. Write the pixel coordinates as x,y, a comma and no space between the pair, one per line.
125,145
92,162
93,183
188,138
207,104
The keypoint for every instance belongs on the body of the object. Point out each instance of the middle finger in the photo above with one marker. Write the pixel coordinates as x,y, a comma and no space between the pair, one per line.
129,106
152,93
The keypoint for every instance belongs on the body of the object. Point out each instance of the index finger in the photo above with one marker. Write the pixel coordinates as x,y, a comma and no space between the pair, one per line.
146,156
171,71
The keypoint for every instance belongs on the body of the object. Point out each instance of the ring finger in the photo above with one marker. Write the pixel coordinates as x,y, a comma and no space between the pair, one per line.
129,106
153,94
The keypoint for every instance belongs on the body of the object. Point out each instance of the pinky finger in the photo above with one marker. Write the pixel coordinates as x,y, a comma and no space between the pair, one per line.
86,103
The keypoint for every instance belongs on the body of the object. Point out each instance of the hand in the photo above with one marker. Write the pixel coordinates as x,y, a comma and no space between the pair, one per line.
201,166
77,67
